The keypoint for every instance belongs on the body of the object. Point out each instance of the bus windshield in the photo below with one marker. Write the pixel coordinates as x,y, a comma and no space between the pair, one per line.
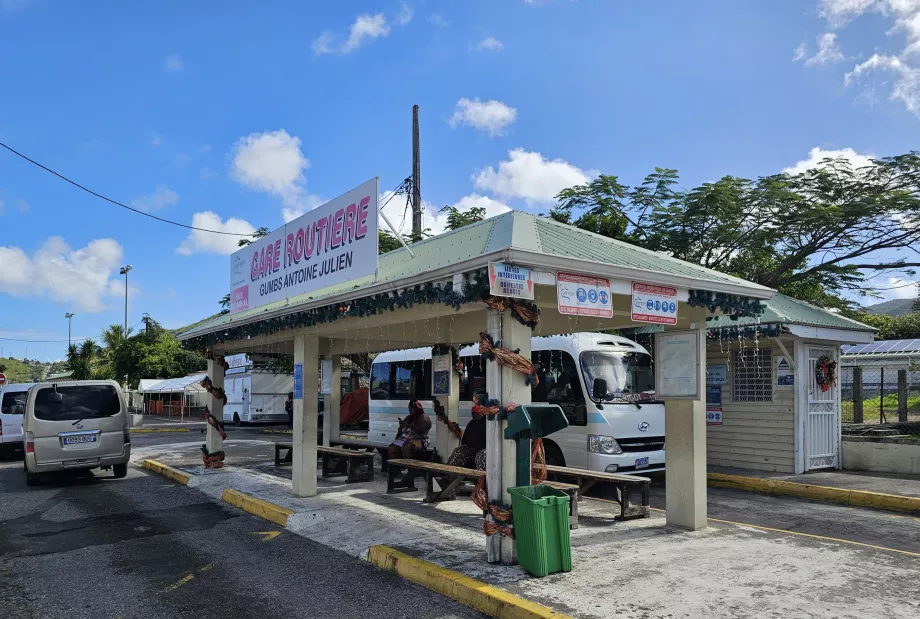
625,372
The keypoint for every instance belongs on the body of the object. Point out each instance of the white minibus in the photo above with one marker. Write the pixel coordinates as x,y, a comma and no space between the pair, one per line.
621,431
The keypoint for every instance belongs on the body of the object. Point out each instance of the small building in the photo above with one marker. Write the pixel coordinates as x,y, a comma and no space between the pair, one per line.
880,382
774,387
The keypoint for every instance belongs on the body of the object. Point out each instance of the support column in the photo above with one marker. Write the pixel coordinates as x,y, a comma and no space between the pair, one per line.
857,395
445,440
332,403
902,396
494,435
685,436
306,353
214,442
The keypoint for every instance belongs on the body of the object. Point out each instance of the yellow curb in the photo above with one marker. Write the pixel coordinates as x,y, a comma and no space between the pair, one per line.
167,471
824,494
142,430
257,507
487,599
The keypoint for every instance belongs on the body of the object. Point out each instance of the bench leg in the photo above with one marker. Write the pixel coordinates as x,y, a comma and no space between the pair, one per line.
573,509
584,486
449,493
277,456
392,488
355,474
325,466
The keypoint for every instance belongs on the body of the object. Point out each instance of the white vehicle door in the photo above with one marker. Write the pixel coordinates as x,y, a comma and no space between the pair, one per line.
10,423
560,384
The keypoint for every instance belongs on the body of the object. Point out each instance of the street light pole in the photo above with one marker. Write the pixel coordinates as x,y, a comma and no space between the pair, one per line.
68,316
124,271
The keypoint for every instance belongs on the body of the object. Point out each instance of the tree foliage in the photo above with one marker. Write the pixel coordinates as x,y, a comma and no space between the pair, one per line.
904,327
815,235
458,219
84,361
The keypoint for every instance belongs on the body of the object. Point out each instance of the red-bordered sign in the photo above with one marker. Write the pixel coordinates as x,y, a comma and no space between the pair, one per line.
655,304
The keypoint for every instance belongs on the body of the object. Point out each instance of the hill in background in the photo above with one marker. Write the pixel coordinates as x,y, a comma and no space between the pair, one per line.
894,308
29,370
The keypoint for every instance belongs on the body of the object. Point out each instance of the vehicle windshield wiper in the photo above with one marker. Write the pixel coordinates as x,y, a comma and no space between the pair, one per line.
77,421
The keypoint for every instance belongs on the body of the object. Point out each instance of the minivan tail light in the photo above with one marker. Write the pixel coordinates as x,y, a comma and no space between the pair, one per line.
127,433
30,443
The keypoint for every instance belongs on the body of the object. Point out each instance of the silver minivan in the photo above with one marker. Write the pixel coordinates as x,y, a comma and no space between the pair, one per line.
76,425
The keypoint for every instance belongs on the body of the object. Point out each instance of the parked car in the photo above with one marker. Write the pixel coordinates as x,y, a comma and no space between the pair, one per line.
12,396
76,425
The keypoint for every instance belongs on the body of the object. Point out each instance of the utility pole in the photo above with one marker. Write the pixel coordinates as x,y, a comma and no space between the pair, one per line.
124,271
68,316
416,180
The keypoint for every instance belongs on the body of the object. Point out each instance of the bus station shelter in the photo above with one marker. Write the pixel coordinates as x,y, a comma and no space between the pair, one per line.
435,292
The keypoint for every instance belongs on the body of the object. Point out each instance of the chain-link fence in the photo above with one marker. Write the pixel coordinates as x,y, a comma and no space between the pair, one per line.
881,393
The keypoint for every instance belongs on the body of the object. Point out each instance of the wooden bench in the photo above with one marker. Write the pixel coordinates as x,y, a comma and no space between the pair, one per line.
626,486
358,466
458,475
381,448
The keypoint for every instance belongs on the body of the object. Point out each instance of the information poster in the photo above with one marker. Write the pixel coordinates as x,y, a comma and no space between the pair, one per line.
785,376
583,295
298,381
508,280
677,365
326,377
713,405
654,304
440,375
716,374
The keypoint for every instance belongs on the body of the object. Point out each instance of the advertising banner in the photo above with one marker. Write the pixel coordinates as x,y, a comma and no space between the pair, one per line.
655,304
583,295
713,405
507,280
331,244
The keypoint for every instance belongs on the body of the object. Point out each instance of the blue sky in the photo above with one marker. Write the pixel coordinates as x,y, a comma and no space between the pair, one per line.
237,114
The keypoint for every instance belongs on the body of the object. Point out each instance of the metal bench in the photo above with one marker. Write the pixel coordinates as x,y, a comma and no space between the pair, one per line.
358,466
626,487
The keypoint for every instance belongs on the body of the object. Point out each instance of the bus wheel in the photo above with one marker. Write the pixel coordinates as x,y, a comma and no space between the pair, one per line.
236,420
553,457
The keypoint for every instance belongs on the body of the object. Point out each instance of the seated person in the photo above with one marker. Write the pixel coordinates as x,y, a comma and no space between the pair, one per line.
472,450
412,435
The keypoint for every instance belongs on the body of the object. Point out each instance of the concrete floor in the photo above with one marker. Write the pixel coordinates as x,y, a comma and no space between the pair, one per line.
761,557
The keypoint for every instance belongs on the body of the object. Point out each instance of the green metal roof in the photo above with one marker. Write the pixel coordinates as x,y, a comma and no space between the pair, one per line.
786,310
514,230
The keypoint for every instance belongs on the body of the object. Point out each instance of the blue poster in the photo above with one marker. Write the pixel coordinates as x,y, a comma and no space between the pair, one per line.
713,396
298,381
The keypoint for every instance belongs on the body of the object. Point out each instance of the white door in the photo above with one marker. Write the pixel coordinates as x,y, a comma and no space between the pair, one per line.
823,407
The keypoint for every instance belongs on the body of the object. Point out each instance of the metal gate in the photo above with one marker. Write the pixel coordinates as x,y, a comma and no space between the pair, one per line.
821,438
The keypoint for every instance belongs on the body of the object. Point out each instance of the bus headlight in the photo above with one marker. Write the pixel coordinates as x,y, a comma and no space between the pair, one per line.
603,445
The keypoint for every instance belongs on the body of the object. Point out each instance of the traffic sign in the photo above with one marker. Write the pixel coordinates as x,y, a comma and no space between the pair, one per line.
2,379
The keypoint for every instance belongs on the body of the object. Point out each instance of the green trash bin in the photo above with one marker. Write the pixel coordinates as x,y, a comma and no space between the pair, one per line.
541,529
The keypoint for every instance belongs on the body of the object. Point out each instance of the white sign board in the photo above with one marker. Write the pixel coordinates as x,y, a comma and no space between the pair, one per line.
655,304
785,375
238,363
508,280
331,244
716,374
583,295
325,387
678,355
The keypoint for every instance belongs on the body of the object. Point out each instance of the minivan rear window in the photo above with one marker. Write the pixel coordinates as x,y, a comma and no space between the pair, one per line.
11,399
79,402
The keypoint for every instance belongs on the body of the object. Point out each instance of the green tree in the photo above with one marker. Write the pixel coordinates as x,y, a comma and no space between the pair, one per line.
225,304
458,219
815,235
903,327
3,367
387,242
258,234
83,360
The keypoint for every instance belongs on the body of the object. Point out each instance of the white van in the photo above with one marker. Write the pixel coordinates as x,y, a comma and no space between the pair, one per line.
621,431
254,394
76,425
12,403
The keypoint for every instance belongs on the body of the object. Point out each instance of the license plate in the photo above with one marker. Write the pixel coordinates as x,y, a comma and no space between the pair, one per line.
641,463
77,440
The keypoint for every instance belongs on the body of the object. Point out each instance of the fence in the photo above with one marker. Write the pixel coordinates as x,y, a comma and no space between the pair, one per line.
880,393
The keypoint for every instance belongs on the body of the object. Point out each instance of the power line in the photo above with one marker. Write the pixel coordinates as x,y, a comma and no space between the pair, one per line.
116,202
76,339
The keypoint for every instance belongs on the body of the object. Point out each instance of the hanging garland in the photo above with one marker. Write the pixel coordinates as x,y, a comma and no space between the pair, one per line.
216,392
215,423
746,333
476,289
441,414
826,372
212,460
525,312
727,303
483,405
219,359
508,358
447,349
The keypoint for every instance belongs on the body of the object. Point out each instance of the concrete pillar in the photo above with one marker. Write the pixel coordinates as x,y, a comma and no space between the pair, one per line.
685,436
902,396
306,352
857,395
214,442
332,403
493,435
445,440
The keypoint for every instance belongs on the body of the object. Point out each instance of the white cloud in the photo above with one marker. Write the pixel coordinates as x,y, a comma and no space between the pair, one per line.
817,155
198,242
530,176
438,20
828,51
895,288
800,52
906,86
117,289
173,63
81,278
163,196
433,220
839,12
492,116
273,162
405,15
365,28
489,43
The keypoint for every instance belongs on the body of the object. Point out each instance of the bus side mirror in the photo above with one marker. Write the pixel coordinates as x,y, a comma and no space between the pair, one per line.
600,389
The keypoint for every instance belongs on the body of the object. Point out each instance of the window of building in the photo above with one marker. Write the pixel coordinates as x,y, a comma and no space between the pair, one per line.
752,375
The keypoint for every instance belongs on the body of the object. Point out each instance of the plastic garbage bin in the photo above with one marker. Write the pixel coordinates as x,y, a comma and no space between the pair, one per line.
541,528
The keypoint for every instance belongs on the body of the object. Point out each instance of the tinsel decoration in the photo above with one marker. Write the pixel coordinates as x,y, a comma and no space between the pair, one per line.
215,423
525,312
508,358
216,392
484,405
475,290
751,332
730,304
212,460
441,414
217,358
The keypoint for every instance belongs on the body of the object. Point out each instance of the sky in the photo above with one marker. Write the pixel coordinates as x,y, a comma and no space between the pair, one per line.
235,115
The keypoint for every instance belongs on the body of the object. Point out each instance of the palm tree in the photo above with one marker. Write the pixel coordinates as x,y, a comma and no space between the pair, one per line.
82,359
113,339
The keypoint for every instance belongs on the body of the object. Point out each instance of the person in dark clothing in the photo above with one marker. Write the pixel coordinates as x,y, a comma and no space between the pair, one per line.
472,450
289,408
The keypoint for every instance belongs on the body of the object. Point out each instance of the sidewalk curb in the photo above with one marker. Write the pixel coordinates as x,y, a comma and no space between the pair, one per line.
144,430
257,507
167,471
487,599
824,494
